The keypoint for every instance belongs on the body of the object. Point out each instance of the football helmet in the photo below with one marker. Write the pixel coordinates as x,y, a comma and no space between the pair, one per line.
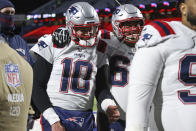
127,23
83,23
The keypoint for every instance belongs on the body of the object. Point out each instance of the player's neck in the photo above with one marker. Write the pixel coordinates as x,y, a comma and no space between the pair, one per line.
186,23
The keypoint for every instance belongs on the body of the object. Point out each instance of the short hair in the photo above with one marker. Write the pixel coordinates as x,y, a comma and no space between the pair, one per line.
178,2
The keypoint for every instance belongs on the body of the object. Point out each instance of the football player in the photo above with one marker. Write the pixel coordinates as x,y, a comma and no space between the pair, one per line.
127,23
163,71
64,74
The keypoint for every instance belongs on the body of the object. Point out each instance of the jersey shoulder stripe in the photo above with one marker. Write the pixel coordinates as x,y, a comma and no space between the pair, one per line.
105,34
101,47
163,28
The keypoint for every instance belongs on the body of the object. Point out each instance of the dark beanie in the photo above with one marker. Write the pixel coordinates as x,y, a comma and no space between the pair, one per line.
5,3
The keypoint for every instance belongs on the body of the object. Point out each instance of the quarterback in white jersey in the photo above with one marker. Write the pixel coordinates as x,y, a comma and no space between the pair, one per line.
71,85
71,61
127,22
163,71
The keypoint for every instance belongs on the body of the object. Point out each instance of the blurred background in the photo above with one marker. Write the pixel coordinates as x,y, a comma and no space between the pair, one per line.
35,18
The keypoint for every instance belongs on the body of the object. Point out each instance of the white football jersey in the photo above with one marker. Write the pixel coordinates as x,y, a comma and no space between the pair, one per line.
120,57
72,81
167,72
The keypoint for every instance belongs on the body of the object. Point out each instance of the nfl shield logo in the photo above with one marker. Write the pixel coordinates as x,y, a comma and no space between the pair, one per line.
12,75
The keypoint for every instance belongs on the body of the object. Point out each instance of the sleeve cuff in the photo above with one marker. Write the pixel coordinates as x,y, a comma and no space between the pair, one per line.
51,116
136,128
107,102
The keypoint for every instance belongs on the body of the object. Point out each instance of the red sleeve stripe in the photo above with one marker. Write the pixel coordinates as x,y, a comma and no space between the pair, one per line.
163,28
105,34
41,122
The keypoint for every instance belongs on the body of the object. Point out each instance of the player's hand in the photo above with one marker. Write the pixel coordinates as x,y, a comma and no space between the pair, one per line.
57,126
113,113
60,37
34,112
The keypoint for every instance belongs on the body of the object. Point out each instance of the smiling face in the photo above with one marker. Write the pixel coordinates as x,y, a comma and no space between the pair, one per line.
127,23
188,11
131,29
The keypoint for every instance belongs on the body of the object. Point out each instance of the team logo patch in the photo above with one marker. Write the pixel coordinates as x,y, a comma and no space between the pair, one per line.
42,45
72,11
146,37
77,120
12,75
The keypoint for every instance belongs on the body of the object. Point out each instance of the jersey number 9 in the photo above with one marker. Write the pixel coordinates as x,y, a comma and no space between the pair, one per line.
188,78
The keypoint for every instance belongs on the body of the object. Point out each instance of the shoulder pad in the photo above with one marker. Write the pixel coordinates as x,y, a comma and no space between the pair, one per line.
43,42
101,47
47,39
44,48
154,33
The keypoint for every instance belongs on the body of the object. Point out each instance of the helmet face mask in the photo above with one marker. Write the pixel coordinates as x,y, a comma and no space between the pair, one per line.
127,22
83,24
130,29
85,31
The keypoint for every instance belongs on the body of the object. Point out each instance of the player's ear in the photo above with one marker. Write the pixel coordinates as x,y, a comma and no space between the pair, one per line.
183,9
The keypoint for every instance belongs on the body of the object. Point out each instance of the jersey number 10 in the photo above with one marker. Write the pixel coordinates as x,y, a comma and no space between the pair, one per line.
73,78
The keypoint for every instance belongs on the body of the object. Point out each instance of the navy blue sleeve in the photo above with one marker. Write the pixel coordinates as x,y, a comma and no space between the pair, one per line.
16,42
